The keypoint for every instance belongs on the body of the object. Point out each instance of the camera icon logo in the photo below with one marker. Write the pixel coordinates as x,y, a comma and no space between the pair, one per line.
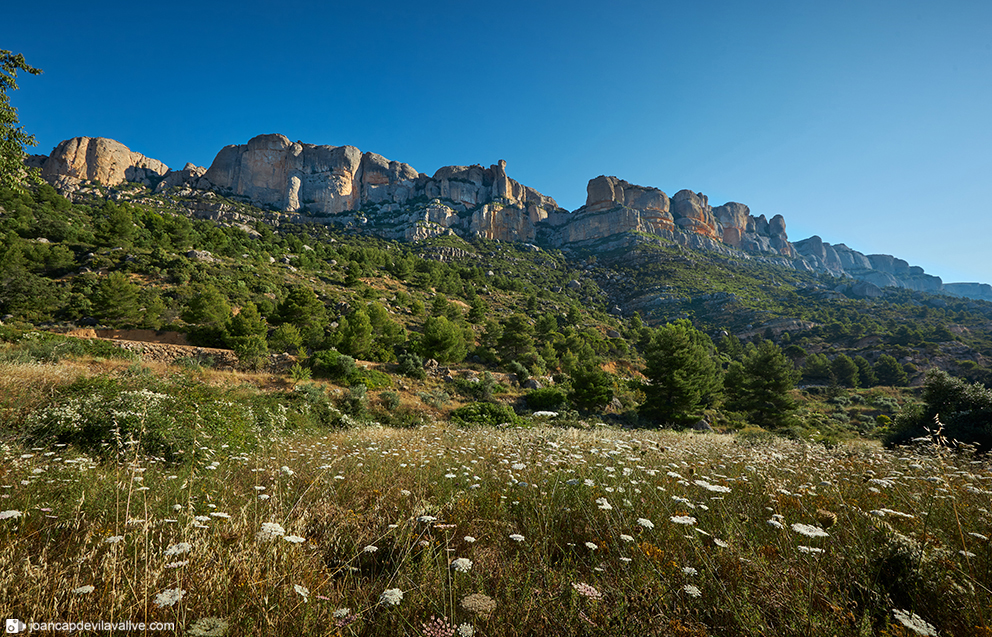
15,626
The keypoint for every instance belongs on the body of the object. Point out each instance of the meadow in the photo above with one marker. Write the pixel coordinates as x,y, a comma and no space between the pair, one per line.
270,528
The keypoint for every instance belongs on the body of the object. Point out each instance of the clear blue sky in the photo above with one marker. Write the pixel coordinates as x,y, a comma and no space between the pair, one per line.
865,122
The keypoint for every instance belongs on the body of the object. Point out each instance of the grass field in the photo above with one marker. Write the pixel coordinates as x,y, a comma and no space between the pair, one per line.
440,530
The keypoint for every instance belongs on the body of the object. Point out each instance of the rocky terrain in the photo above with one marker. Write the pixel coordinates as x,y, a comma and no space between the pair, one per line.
341,184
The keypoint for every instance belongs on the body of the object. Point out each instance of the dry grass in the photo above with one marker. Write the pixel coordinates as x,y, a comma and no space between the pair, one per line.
342,492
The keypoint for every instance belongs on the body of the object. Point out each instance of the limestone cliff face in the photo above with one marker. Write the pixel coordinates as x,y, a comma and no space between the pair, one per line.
272,171
882,270
319,183
98,159
614,206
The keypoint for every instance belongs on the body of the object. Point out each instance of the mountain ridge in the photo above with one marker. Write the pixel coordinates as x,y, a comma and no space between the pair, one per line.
341,184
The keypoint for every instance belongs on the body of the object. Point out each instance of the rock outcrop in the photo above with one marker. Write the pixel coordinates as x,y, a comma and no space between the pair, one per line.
881,270
99,159
614,206
317,183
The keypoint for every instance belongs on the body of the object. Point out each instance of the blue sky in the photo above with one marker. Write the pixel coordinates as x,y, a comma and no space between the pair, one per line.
867,122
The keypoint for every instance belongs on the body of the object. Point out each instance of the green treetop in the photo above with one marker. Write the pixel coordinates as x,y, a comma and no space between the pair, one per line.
683,373
13,139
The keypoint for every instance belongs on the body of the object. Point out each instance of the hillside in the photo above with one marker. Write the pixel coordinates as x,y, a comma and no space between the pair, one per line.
129,257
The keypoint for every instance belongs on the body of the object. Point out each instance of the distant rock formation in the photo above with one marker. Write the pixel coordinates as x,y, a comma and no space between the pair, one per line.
321,184
614,206
97,159
979,291
882,270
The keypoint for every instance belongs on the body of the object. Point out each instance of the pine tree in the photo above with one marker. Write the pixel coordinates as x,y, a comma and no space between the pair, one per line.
518,337
866,375
845,371
760,386
115,300
246,336
890,372
442,340
355,333
683,373
592,388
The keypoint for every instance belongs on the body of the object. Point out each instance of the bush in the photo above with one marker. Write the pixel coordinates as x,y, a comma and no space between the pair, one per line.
412,365
491,414
436,399
546,399
520,371
480,390
964,409
389,399
330,363
371,379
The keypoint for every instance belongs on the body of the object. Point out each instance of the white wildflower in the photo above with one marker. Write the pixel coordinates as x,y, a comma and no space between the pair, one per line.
914,622
9,514
810,550
169,597
83,590
178,549
391,597
516,537
646,523
809,530
462,564
683,519
303,591
294,539
269,531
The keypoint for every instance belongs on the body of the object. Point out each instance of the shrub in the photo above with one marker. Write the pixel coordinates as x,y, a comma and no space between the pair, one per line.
491,414
390,400
546,399
330,363
964,409
412,365
436,398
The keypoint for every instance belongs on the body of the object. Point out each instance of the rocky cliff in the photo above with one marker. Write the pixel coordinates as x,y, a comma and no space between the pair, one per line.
323,184
97,159
882,270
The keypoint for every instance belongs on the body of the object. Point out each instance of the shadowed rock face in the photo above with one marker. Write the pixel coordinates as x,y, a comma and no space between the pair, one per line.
614,206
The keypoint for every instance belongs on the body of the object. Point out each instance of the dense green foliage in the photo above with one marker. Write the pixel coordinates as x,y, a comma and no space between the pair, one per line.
953,409
760,386
327,295
683,374
13,138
